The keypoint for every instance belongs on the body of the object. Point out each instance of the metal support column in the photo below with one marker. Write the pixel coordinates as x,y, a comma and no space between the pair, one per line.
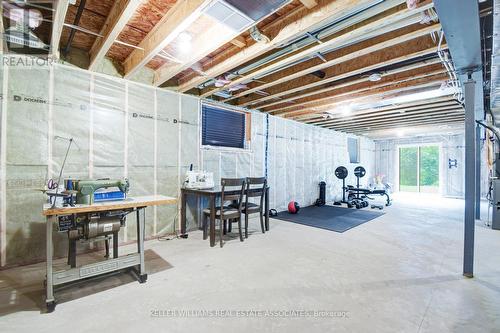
470,176
478,173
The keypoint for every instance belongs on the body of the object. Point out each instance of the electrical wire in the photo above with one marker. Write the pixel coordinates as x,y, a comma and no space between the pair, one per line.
175,234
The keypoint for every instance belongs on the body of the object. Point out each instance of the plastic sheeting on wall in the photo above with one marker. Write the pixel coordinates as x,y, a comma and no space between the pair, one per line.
299,157
149,135
120,129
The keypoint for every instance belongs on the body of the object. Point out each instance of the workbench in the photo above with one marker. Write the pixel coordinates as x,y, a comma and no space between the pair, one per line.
134,260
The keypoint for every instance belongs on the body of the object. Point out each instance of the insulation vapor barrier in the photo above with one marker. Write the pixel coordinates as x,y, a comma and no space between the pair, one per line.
148,135
299,156
120,129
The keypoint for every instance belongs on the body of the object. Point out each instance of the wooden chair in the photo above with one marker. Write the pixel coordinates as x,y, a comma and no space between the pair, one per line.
231,212
256,187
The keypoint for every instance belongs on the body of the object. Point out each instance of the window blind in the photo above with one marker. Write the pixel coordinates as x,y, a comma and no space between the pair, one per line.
222,127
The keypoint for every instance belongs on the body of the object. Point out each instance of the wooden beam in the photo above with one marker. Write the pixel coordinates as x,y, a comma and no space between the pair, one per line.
375,28
309,3
177,19
387,117
429,118
120,14
407,123
376,96
356,118
356,54
362,81
292,26
205,42
438,101
239,41
391,118
379,95
383,89
356,91
60,9
428,124
342,76
370,112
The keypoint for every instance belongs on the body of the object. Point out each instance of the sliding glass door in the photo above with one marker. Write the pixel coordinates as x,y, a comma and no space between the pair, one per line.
419,169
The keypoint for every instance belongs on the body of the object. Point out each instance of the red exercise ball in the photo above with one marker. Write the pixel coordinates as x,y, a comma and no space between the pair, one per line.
293,207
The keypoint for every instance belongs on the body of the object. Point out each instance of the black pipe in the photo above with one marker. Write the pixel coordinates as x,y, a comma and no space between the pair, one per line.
79,12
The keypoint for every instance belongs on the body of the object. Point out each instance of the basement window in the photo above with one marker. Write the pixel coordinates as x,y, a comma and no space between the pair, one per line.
353,149
222,127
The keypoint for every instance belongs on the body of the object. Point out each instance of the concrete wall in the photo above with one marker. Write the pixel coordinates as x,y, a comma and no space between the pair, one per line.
151,136
451,147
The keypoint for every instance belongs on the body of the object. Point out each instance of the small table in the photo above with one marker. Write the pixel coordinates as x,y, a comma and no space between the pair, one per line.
212,194
137,204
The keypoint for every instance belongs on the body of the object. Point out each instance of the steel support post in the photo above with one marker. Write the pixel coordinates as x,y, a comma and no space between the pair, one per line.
470,176
478,173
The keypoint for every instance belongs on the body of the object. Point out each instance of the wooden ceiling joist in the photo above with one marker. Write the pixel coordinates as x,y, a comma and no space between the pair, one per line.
120,14
294,25
175,21
344,76
373,112
239,41
357,119
391,117
347,57
372,29
403,124
61,7
330,103
400,122
362,87
313,118
448,122
309,3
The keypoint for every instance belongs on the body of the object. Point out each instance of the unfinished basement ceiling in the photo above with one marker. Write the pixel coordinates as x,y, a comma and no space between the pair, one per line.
357,67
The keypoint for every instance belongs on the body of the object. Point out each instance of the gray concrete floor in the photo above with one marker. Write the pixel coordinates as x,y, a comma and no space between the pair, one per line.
401,272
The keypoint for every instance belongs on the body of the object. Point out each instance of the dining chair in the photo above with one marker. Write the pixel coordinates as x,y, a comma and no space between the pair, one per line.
232,193
256,187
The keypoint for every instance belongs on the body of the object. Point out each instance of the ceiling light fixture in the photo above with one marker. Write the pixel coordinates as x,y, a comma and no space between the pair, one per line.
184,44
346,110
375,77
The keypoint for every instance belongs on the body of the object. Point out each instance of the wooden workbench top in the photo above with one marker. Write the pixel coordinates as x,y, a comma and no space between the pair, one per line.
132,202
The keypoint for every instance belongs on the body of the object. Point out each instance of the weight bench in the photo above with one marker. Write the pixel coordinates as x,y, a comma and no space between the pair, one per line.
366,192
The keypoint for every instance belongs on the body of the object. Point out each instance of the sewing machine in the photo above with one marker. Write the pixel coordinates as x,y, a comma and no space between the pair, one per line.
88,191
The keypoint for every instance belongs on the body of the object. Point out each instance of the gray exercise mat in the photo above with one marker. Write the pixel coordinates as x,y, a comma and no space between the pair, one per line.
334,218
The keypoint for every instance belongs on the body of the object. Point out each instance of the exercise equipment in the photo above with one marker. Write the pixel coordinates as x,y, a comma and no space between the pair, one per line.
342,173
273,212
363,193
321,201
293,207
356,196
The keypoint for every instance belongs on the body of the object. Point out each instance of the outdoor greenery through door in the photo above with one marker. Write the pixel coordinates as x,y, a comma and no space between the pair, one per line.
419,169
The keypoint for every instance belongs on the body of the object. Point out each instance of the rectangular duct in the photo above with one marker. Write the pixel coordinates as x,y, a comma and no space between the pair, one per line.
228,15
